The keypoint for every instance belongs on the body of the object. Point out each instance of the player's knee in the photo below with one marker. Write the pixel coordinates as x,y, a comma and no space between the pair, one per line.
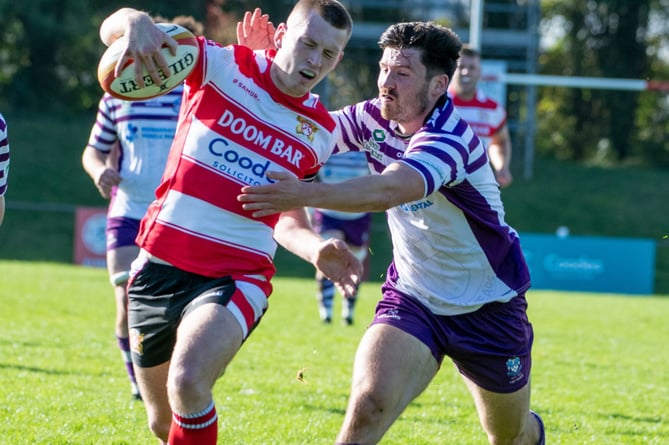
371,406
160,427
183,385
119,278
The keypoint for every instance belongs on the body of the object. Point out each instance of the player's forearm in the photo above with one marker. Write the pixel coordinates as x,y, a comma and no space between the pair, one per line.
293,231
373,193
94,162
116,25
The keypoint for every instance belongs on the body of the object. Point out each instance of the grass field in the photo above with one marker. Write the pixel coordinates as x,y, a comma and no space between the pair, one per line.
599,377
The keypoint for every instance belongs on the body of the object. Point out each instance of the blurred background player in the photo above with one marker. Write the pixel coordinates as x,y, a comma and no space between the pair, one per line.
125,157
484,115
4,165
353,228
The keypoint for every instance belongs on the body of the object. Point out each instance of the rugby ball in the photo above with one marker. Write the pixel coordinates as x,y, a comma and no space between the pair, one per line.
125,87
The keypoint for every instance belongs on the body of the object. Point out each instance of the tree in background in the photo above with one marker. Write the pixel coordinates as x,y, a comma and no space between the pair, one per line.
604,38
49,49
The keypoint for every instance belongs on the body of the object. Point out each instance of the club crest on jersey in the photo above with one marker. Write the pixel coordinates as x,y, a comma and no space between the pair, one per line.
136,342
306,128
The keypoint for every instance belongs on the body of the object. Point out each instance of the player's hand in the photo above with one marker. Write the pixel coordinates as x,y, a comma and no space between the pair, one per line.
504,177
144,41
336,261
286,193
256,31
106,180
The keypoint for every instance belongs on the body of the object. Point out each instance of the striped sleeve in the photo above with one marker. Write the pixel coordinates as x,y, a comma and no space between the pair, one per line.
103,134
4,155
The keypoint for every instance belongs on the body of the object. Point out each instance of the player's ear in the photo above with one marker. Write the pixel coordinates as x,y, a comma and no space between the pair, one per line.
278,34
439,84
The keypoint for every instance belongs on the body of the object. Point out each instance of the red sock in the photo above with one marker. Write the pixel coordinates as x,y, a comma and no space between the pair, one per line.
194,429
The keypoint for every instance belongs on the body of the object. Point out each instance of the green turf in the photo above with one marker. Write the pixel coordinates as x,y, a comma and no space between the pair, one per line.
599,377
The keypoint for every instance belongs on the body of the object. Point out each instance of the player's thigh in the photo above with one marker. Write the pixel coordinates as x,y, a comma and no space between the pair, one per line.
501,414
119,259
207,340
392,366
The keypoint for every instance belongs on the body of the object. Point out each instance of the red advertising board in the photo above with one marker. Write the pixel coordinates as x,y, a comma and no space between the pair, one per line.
89,236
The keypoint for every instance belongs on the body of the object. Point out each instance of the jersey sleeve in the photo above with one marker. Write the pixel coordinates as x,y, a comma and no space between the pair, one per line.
348,132
103,135
4,155
439,159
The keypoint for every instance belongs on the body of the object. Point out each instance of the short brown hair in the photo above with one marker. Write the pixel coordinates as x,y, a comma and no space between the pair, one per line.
332,11
439,46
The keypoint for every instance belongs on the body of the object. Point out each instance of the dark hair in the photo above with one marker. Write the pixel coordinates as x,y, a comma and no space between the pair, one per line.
440,46
469,51
332,12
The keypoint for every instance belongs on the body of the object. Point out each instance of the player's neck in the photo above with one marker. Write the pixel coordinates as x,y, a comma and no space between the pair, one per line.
466,95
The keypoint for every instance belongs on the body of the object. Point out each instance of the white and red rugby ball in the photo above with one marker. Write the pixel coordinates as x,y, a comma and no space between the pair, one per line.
125,87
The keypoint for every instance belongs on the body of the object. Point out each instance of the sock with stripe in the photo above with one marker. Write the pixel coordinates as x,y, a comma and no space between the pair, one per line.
542,430
326,291
194,429
124,346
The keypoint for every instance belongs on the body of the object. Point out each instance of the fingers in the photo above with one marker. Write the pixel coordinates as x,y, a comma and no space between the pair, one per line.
149,58
241,37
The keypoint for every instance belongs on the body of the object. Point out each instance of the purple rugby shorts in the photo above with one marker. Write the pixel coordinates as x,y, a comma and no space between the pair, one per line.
356,231
491,346
121,232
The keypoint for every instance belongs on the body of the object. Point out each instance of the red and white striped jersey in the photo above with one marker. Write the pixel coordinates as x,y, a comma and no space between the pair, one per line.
235,125
483,114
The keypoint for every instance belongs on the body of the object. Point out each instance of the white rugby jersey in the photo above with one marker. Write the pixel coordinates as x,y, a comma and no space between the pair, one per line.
235,125
452,249
483,114
341,167
145,131
4,155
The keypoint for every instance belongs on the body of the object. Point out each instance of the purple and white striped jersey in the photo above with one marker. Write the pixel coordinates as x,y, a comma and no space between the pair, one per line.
145,131
452,250
4,155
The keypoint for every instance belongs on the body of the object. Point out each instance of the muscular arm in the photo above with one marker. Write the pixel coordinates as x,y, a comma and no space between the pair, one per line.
397,184
499,152
331,257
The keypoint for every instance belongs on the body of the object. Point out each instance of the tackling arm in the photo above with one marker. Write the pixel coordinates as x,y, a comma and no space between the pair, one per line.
397,184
